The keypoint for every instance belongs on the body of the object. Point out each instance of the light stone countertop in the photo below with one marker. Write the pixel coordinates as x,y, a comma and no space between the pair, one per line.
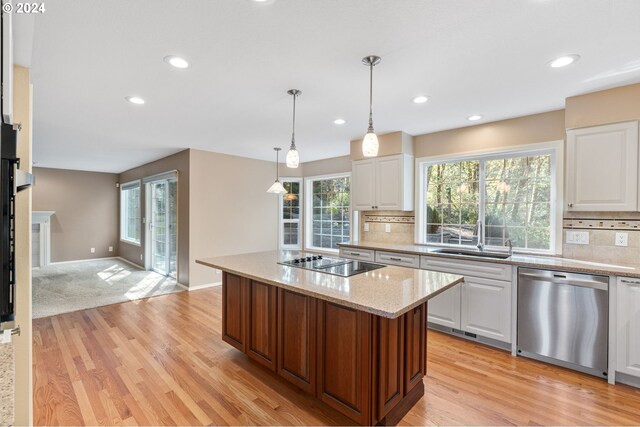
520,260
387,292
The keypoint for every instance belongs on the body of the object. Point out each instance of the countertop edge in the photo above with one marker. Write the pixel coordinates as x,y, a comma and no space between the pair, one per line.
386,314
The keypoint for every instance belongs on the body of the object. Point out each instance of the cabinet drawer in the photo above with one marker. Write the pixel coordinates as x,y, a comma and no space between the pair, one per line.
359,254
486,270
395,258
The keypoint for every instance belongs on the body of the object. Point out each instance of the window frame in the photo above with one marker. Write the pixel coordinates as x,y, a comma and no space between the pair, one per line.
553,148
308,211
301,214
123,220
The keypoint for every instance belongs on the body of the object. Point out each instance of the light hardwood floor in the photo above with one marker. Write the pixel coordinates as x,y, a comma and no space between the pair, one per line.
161,361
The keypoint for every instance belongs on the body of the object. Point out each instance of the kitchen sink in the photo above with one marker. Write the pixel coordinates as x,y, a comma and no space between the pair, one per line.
496,255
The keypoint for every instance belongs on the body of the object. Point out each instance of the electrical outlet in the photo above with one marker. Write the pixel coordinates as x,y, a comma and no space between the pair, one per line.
387,228
622,239
578,237
93,250
366,226
110,248
140,257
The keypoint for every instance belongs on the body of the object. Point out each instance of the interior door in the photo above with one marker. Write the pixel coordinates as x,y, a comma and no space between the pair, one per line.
163,226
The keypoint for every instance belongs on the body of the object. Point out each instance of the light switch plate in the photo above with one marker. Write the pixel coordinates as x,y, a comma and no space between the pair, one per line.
578,237
93,250
366,226
387,228
622,239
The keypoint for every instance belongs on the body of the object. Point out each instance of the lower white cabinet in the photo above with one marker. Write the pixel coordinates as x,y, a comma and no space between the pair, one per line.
485,308
359,254
444,309
395,258
628,326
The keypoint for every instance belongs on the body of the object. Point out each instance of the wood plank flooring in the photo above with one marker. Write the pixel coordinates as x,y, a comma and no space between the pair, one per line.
161,361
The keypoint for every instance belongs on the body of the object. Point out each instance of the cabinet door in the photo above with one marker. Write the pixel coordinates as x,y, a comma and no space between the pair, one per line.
416,347
628,319
389,359
261,323
233,310
297,339
389,190
444,309
602,168
363,185
344,360
486,308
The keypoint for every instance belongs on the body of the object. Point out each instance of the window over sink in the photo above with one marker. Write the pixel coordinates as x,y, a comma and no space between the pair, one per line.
491,198
327,212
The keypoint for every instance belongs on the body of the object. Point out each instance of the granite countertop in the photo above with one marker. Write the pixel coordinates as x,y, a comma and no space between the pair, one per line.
520,260
387,292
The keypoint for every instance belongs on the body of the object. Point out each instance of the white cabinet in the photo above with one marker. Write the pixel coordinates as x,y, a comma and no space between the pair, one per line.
602,168
357,253
395,258
445,308
383,183
486,308
628,327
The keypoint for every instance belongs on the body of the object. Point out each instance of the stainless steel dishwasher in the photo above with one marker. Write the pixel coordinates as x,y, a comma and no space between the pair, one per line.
563,318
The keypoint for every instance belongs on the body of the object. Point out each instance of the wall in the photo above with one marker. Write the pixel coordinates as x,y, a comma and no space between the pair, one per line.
86,206
389,144
607,106
542,127
180,162
327,166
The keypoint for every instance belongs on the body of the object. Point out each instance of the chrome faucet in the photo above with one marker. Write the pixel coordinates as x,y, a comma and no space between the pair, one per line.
509,243
480,246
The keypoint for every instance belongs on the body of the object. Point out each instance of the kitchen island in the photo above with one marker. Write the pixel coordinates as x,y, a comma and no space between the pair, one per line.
356,343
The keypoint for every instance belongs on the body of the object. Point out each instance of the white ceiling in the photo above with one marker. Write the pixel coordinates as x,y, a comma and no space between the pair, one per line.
470,56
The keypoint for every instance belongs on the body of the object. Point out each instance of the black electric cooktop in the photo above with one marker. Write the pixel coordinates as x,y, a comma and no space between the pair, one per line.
330,265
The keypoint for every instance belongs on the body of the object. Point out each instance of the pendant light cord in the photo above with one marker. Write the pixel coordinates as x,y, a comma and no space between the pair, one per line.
370,130
277,168
293,130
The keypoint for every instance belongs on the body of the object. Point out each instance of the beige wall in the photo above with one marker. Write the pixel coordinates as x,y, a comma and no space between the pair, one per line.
607,106
230,209
390,144
327,166
179,162
86,212
519,131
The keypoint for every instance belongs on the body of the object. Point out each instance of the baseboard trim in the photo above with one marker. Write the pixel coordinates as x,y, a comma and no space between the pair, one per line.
130,262
180,285
206,285
84,260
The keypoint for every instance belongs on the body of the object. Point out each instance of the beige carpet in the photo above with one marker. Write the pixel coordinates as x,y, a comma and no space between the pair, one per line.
62,288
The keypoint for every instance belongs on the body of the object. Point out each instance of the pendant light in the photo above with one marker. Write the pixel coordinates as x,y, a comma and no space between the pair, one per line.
277,187
293,159
370,142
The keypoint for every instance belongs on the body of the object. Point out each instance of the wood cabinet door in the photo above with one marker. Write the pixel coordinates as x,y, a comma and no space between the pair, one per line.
602,168
416,347
344,360
297,339
261,323
628,318
388,356
233,310
486,308
363,184
389,183
444,309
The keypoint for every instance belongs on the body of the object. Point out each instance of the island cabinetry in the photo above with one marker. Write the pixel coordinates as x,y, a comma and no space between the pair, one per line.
389,336
233,302
261,323
297,339
416,347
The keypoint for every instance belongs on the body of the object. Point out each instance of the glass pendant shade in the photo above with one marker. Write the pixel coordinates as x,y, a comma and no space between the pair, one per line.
370,145
277,188
293,158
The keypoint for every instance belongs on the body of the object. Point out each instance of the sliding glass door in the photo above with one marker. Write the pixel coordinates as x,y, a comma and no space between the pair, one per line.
163,208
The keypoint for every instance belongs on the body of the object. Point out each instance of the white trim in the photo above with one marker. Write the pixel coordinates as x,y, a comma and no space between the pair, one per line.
281,221
129,184
130,263
180,285
172,174
308,207
124,187
131,242
97,259
204,286
555,148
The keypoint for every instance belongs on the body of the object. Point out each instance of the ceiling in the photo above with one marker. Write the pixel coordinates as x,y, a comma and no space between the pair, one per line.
484,57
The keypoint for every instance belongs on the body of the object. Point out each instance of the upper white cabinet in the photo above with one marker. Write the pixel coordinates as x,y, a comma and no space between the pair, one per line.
602,168
628,327
383,183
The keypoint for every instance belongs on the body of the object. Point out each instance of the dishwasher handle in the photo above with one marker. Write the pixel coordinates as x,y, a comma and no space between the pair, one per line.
560,279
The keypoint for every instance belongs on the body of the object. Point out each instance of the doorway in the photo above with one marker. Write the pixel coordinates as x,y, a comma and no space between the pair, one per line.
162,225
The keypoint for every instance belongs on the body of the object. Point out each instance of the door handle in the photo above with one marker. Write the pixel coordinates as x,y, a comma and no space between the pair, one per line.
395,259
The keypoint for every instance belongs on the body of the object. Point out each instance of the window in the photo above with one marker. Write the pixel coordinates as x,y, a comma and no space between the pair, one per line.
290,230
130,212
511,196
327,212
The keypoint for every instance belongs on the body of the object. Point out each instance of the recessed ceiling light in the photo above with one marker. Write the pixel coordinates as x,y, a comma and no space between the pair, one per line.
176,61
339,121
563,61
474,118
420,99
135,100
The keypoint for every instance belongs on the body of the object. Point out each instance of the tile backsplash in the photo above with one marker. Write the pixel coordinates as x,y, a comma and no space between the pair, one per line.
401,226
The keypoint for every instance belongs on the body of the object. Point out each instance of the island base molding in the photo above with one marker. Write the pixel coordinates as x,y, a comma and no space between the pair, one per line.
367,367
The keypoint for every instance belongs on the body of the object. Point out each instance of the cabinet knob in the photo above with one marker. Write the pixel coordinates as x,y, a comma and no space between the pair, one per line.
570,205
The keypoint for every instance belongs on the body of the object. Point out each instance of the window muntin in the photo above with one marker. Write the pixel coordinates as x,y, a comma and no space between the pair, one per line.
328,211
290,234
511,194
130,218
